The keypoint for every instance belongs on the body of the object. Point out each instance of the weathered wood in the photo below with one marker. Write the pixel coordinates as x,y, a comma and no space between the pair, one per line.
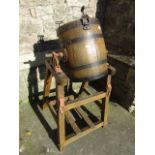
70,119
77,46
61,116
53,111
85,117
89,90
47,86
61,130
63,113
53,102
105,104
84,85
85,132
84,100
61,78
112,70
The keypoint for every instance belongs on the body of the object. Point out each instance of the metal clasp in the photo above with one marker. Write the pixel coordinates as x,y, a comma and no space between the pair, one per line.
85,19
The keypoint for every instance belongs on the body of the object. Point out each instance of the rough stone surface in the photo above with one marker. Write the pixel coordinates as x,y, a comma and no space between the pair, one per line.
38,17
123,82
116,139
117,18
33,2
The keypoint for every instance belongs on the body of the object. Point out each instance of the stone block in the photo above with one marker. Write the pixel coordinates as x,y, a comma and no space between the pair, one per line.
24,12
60,13
49,25
123,82
76,12
26,43
57,2
33,12
29,26
44,10
91,11
78,3
119,26
92,4
33,2
50,35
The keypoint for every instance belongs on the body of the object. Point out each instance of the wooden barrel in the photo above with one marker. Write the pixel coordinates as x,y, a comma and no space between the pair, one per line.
84,50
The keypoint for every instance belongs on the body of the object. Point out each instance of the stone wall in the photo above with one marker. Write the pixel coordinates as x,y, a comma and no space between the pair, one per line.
38,17
123,82
117,18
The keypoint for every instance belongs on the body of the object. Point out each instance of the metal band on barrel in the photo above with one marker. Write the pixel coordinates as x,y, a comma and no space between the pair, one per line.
74,24
90,78
88,65
82,38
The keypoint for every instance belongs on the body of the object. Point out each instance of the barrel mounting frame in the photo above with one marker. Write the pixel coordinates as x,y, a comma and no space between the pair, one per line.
65,104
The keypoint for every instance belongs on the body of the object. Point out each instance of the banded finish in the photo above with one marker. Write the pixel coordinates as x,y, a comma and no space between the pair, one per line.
84,50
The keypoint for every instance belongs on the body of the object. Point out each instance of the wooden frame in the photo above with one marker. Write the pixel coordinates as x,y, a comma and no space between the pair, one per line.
64,114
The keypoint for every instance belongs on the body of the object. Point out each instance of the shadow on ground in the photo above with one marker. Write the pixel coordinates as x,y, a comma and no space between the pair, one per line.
116,139
40,49
36,97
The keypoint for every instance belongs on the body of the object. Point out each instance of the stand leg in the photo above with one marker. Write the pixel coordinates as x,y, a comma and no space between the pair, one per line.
105,104
84,85
47,85
61,116
70,88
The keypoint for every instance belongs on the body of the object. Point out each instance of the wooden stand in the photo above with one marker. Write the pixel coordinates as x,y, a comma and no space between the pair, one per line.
64,109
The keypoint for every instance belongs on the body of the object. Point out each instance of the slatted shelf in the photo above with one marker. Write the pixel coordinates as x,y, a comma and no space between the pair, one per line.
71,120
85,116
71,108
72,137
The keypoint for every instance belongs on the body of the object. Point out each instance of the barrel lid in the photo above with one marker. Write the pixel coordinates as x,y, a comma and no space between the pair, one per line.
74,24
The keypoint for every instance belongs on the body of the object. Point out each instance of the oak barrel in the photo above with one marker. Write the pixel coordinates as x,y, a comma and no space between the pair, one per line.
84,50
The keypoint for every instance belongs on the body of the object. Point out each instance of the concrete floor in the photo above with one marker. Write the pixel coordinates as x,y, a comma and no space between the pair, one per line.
36,135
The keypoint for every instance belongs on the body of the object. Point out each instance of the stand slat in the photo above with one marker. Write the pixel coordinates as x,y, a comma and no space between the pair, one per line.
71,120
70,139
84,100
85,117
63,113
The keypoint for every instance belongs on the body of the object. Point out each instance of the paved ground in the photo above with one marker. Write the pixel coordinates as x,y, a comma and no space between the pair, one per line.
38,132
